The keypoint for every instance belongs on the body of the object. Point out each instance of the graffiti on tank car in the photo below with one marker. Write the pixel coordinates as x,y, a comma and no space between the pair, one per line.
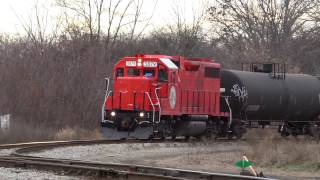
240,93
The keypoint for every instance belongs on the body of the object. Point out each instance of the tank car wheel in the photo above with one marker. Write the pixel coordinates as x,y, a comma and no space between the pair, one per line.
315,131
201,138
283,130
151,137
284,134
237,131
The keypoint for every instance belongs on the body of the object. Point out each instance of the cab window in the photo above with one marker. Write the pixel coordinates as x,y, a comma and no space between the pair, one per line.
148,73
173,77
163,75
119,72
133,72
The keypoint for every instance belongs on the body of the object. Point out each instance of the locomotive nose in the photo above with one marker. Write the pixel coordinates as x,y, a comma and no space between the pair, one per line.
133,93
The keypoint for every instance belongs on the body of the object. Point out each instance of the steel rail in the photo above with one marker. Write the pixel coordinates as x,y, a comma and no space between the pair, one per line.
81,170
51,144
125,171
115,170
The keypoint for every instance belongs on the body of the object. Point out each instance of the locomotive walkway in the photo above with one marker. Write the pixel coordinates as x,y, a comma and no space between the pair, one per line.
102,170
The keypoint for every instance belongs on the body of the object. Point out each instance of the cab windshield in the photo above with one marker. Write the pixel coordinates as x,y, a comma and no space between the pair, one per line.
149,73
161,73
133,72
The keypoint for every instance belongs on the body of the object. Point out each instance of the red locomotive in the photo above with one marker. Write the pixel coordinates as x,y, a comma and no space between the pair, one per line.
161,96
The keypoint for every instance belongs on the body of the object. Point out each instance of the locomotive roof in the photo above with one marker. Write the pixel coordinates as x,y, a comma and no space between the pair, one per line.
169,61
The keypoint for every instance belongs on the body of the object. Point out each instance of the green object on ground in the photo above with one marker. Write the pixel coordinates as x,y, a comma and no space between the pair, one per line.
243,164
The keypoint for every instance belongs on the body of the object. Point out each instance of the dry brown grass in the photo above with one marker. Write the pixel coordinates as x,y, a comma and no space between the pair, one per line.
268,149
77,134
27,133
22,132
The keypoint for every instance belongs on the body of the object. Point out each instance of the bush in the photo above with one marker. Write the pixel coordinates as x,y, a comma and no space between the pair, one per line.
77,134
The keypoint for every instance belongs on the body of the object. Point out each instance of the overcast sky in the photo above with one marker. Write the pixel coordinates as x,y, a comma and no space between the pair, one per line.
15,12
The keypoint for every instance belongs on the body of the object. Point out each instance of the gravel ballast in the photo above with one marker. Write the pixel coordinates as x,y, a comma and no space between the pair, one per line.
23,174
209,156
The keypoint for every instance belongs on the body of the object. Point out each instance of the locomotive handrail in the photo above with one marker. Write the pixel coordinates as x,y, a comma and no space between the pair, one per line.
105,97
108,82
104,104
226,98
153,112
158,103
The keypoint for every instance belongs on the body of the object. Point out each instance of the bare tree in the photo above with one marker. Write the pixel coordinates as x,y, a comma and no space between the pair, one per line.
84,10
261,30
36,24
184,34
106,22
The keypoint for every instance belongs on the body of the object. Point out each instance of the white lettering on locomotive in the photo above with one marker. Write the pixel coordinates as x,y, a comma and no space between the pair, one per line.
150,64
131,63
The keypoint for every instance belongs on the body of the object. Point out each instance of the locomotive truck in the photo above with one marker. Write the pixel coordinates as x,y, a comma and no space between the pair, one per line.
158,96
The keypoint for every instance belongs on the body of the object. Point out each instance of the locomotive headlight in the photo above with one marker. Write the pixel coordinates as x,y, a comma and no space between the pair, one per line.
141,114
113,113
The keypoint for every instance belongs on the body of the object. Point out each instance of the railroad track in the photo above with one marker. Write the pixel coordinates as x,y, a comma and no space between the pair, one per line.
96,169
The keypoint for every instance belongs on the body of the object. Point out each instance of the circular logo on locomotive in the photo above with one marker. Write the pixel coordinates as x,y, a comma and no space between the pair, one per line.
173,97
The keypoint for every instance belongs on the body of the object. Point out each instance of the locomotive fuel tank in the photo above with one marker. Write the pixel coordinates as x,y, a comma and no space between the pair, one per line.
261,96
